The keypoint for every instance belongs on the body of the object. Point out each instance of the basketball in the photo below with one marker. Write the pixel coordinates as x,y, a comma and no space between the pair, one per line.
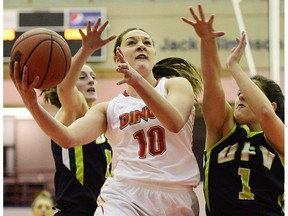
45,53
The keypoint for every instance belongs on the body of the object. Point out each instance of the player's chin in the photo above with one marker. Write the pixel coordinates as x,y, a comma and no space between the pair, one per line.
239,118
91,97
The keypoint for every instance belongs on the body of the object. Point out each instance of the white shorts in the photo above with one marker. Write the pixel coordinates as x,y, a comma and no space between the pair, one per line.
142,199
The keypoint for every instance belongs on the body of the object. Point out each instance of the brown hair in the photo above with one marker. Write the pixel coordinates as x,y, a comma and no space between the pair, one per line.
120,38
170,67
273,92
178,67
51,96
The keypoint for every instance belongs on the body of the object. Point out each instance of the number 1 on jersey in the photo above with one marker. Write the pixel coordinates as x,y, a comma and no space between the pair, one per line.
245,194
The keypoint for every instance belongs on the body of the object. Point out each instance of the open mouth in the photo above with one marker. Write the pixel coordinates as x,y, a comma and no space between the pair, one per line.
91,90
141,56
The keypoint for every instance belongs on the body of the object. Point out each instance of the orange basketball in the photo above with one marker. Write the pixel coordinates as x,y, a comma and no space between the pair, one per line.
45,53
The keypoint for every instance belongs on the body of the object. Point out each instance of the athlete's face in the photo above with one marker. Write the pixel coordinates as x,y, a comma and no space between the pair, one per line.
139,51
43,207
242,112
87,84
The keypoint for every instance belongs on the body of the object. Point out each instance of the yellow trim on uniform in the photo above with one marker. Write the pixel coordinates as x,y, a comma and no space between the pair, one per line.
79,162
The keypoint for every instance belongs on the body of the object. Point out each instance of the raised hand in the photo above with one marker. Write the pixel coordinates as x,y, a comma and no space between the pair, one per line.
130,75
237,52
93,41
203,28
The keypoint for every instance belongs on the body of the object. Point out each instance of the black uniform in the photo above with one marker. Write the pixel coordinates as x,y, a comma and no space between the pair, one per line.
80,174
244,175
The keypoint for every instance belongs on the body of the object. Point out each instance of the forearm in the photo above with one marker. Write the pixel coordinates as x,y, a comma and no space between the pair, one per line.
210,62
250,90
168,114
54,129
78,60
214,97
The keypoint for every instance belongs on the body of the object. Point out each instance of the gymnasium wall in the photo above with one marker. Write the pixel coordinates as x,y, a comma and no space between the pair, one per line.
172,36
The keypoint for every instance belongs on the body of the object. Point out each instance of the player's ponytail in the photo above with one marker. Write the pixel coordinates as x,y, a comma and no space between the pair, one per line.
178,67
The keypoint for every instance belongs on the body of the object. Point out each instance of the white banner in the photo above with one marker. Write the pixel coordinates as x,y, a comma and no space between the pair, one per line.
10,19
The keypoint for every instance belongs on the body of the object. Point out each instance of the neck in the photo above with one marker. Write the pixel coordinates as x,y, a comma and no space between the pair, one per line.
255,127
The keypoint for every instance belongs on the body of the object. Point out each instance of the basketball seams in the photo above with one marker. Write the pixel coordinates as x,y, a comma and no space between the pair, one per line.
19,40
64,54
28,58
49,62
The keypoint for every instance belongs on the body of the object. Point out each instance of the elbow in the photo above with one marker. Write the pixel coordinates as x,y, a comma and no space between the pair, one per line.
266,114
66,144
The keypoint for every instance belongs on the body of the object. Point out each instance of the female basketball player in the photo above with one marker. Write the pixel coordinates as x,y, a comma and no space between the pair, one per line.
244,172
149,127
80,171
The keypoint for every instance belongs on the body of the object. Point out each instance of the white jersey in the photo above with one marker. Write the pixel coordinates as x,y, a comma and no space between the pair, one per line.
146,151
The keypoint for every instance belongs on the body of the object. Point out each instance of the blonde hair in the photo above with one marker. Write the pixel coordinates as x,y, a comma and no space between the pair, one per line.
44,194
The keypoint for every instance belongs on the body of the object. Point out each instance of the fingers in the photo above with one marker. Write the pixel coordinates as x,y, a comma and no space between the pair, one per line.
218,34
121,82
233,49
238,50
193,14
101,29
25,75
94,28
120,55
25,82
97,23
243,39
88,27
11,69
21,80
196,17
211,20
201,12
81,33
16,72
35,82
109,39
188,21
122,66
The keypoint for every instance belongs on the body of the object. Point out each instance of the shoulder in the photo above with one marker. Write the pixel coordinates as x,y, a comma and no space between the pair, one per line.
179,85
99,108
102,105
177,81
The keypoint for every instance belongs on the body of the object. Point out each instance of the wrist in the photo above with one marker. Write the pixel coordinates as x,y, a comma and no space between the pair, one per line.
86,52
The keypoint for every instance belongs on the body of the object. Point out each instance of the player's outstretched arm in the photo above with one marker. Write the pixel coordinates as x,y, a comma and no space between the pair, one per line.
68,137
91,41
218,114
